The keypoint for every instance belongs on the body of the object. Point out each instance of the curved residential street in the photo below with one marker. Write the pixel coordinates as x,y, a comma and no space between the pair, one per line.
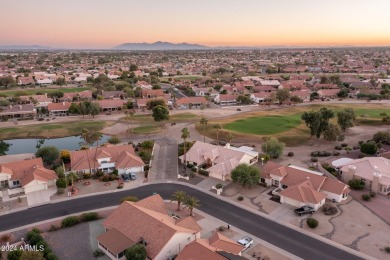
281,236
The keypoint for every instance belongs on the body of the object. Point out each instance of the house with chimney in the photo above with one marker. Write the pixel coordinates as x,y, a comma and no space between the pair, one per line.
148,222
26,111
59,109
24,177
374,172
299,187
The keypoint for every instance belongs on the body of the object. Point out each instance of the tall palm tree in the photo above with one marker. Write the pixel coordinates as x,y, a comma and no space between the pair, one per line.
185,133
266,140
217,127
204,121
191,203
180,197
129,116
85,136
95,137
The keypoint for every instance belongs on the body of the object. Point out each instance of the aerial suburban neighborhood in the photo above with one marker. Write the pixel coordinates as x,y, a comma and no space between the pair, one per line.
238,147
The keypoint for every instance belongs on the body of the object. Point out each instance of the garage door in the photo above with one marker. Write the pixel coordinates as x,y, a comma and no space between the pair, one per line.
35,187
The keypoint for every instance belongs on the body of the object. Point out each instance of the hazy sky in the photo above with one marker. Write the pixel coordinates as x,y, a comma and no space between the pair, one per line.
106,23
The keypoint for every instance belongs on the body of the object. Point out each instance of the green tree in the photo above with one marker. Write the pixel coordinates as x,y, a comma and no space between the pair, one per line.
94,109
333,133
160,113
317,120
217,127
246,175
345,118
185,134
61,183
114,139
382,137
133,67
369,148
49,154
191,202
203,122
74,109
150,104
282,95
273,147
180,197
230,137
14,254
60,81
296,99
136,252
4,147
343,93
244,99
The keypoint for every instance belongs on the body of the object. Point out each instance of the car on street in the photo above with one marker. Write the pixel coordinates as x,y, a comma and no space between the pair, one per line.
246,242
304,210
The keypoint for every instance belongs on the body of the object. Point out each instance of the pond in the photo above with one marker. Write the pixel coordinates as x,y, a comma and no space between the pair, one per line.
31,145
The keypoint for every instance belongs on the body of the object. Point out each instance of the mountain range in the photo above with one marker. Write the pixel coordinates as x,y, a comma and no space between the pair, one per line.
160,46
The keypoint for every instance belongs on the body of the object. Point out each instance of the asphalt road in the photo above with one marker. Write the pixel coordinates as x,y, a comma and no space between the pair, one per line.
288,239
164,164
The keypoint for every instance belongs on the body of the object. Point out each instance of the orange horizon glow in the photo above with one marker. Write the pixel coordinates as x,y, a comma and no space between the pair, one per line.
105,24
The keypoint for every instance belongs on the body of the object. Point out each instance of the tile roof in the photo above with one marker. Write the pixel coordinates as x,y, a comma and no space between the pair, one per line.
27,171
303,192
123,156
62,106
224,243
110,103
198,251
115,240
191,100
138,220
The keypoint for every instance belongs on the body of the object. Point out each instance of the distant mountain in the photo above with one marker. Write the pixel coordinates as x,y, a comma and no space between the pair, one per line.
24,47
160,46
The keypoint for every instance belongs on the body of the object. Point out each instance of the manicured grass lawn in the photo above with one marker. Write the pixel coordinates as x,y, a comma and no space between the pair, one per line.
147,118
146,129
51,130
264,125
12,93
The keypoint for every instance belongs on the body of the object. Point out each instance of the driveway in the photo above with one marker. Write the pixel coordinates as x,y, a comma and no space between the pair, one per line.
165,160
40,197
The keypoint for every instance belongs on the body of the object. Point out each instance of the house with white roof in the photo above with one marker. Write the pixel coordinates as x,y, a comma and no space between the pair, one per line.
219,161
373,171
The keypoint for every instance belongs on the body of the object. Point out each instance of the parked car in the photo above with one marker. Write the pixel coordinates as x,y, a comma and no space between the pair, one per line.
304,210
133,176
245,241
125,177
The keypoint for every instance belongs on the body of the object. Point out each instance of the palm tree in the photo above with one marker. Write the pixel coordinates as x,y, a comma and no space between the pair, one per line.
191,203
84,135
203,121
129,116
185,133
217,127
230,137
95,137
266,140
180,197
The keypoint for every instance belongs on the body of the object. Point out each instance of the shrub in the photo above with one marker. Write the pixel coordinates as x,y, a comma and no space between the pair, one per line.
193,169
355,147
219,186
53,228
98,253
338,147
320,153
130,198
106,178
314,159
221,228
387,249
89,216
99,173
240,198
344,145
335,153
87,176
369,148
70,221
60,191
192,174
360,142
120,186
290,154
34,238
366,197
312,222
372,194
5,238
114,140
115,172
61,183
51,256
203,172
356,184
113,177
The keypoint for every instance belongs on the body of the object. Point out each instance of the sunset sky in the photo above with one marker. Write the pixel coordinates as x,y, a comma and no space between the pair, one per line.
107,23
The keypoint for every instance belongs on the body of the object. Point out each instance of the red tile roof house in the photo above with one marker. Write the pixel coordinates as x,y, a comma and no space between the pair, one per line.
77,96
373,171
59,109
152,93
18,111
26,176
216,247
113,94
191,102
111,104
260,97
226,99
328,93
219,161
301,187
106,158
22,81
149,222
40,100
